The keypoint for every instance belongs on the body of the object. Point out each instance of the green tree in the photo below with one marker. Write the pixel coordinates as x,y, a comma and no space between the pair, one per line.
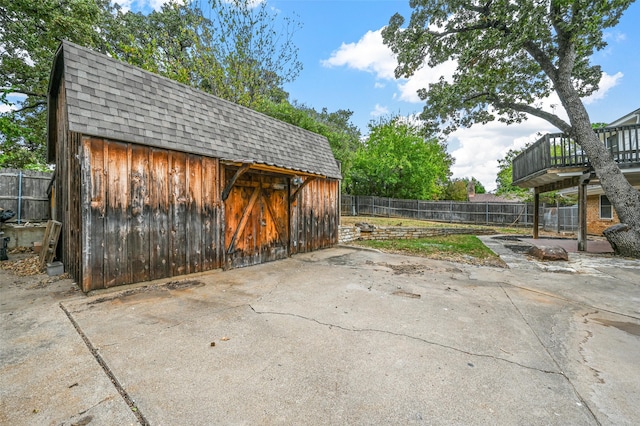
238,52
478,186
458,189
397,161
504,178
30,33
241,53
510,55
343,136
455,190
168,42
250,52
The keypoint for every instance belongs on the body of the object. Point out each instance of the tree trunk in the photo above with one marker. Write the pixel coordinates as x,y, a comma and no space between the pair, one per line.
623,196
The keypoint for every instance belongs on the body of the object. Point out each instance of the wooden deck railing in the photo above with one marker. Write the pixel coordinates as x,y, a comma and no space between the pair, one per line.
557,150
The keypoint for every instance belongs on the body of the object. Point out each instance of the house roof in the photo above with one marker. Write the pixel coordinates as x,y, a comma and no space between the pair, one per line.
632,118
492,198
111,99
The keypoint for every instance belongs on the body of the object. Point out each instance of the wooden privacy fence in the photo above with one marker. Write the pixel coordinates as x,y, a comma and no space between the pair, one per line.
514,214
25,192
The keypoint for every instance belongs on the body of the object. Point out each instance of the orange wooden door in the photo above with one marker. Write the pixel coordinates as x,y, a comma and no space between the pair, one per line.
256,220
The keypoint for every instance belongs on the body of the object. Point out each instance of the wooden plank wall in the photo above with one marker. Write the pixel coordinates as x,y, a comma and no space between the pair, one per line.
34,202
315,216
152,214
68,183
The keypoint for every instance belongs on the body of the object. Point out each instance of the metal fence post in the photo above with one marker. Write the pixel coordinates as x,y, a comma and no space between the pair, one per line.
20,197
486,213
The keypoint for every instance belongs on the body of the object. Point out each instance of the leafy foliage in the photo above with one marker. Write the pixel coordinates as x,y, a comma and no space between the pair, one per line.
241,53
343,136
255,50
30,33
510,57
505,177
397,161
458,189
509,54
238,52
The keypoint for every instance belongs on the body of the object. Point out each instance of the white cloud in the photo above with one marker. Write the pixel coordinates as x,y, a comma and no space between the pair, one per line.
379,110
379,85
368,54
124,4
157,4
12,100
422,78
371,55
6,108
607,82
480,147
477,149
615,36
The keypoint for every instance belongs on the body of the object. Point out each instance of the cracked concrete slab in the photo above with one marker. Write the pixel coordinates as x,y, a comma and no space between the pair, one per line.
362,337
47,377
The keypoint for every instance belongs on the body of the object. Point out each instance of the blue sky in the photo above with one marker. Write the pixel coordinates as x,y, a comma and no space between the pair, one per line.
346,66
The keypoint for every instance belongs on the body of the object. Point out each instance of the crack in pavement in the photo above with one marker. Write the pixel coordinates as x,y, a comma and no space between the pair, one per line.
407,336
550,355
564,299
127,399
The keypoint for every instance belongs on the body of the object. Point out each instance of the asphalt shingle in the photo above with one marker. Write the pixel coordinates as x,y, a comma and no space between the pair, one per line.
111,99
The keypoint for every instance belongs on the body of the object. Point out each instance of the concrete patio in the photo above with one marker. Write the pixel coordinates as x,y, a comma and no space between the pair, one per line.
340,336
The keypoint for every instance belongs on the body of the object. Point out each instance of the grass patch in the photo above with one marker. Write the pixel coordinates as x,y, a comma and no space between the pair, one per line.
414,223
457,248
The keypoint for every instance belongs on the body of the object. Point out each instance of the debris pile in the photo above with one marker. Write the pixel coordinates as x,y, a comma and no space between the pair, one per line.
23,266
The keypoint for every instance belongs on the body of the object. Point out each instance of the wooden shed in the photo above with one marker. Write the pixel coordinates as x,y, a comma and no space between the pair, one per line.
156,179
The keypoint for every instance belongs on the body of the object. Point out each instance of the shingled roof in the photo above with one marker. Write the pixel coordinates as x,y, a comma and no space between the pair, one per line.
114,100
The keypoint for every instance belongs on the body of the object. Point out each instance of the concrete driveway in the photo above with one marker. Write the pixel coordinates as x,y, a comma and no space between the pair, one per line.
340,336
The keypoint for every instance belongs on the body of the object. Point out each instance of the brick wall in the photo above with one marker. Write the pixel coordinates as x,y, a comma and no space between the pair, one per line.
353,233
595,225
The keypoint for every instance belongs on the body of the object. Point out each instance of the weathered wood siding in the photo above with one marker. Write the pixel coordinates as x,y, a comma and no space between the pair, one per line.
68,183
150,214
256,219
134,213
315,216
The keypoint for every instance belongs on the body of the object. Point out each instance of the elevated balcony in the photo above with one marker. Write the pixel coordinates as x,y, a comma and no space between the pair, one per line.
556,161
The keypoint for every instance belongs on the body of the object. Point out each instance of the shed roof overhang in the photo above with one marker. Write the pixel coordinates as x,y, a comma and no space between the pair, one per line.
270,168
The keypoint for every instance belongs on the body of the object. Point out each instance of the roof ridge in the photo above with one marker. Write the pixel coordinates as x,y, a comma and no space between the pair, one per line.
186,86
110,98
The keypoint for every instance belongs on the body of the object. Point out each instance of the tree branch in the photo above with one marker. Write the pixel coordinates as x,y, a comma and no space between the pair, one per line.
547,116
475,96
566,49
542,59
28,107
440,34
13,90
